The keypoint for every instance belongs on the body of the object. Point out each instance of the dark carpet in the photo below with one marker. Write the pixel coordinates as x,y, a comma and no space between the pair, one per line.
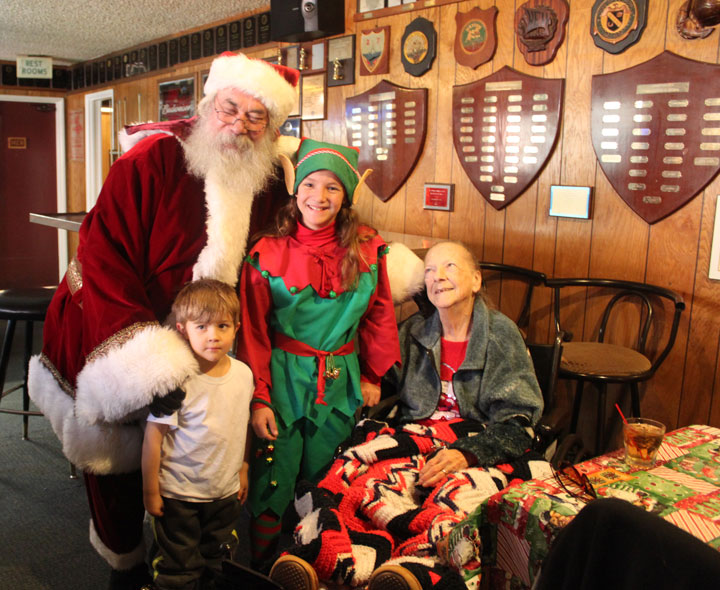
44,517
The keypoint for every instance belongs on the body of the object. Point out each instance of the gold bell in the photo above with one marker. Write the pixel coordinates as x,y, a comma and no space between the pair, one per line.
331,371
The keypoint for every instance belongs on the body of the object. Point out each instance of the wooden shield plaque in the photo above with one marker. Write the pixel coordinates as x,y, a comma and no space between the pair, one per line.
504,129
656,131
387,124
540,29
375,51
616,24
418,46
475,39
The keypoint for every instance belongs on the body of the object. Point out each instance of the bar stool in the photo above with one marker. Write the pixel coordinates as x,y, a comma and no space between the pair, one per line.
21,305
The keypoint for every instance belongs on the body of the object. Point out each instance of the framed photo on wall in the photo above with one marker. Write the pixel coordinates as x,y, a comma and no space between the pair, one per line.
176,99
714,272
203,76
313,97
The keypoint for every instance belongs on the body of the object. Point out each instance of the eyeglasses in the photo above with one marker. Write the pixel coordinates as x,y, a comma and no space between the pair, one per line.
567,472
251,121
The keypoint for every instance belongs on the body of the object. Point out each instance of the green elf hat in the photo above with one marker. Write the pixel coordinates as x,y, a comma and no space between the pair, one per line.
341,160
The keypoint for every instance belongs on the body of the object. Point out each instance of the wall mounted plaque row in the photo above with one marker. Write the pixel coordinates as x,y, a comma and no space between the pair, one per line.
387,124
540,29
247,32
418,46
375,51
504,129
656,131
696,18
475,39
615,25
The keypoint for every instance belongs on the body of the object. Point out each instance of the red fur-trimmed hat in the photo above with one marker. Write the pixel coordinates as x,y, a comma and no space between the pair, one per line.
273,85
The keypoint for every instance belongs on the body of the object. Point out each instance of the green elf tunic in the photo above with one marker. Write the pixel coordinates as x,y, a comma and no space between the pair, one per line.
299,325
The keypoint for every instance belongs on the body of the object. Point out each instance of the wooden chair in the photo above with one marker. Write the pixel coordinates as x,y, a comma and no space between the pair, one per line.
601,361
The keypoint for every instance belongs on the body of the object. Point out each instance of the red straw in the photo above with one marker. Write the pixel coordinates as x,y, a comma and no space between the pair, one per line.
621,414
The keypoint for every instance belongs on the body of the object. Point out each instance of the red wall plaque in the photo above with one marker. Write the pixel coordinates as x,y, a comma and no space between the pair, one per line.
387,124
656,131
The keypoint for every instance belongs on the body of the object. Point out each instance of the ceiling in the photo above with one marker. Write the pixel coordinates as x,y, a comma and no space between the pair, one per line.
80,30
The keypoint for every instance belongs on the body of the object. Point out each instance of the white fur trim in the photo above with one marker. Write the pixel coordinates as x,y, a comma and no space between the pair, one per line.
128,140
117,561
98,448
256,78
406,272
287,145
154,361
228,223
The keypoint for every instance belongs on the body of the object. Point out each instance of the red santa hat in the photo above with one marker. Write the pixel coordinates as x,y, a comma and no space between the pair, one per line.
273,85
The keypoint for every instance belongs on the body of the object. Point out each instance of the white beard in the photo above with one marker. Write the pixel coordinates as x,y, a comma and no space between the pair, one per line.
235,169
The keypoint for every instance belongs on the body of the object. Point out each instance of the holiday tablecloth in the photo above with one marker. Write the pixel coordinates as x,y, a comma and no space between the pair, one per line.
507,536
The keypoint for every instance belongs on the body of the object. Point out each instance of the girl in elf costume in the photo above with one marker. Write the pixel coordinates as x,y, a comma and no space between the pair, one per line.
307,290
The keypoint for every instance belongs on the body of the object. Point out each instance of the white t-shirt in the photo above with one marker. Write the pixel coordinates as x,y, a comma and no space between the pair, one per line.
203,451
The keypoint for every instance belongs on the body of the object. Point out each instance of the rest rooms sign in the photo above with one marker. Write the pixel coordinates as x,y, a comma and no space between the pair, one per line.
34,67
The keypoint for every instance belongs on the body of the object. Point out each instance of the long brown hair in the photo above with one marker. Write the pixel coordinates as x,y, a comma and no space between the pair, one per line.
347,230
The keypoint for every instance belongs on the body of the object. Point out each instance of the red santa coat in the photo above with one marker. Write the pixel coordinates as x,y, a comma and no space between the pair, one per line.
106,353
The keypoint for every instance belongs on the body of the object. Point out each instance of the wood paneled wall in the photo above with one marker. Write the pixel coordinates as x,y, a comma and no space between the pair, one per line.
614,243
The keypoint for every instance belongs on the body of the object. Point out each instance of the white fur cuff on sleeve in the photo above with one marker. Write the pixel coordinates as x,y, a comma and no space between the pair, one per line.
156,360
406,272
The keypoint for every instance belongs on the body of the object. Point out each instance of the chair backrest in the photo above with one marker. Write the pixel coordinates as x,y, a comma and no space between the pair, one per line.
492,271
644,292
546,361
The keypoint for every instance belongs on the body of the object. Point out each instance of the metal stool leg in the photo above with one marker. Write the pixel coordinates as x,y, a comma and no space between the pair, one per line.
26,365
635,399
576,406
5,357
600,427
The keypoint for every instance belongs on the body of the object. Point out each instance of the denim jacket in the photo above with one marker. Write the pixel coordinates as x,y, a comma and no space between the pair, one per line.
495,385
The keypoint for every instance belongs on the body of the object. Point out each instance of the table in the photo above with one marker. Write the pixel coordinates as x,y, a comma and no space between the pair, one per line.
507,537
68,221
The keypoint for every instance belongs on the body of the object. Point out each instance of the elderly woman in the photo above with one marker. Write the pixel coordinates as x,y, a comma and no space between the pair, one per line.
468,401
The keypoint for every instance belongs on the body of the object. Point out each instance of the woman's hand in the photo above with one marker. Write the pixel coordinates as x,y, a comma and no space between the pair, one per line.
444,463
263,423
370,394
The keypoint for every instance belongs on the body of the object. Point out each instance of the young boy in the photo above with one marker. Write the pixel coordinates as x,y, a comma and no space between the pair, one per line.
195,461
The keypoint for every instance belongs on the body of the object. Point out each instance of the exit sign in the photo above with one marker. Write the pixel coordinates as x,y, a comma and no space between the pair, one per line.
34,67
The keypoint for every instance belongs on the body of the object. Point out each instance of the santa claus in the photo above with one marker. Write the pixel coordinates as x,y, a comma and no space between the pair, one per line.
177,206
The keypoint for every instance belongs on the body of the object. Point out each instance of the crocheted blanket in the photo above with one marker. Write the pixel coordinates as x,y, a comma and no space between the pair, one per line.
369,509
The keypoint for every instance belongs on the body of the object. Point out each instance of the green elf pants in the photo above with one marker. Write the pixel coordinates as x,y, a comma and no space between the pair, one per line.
302,450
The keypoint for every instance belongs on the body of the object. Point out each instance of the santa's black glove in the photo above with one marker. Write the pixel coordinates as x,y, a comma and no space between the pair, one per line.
167,404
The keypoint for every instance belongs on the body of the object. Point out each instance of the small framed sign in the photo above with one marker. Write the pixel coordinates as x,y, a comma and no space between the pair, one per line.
438,196
370,5
313,97
570,201
176,99
341,61
17,143
715,252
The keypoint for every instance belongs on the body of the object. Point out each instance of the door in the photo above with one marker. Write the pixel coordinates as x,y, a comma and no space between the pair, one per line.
28,176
